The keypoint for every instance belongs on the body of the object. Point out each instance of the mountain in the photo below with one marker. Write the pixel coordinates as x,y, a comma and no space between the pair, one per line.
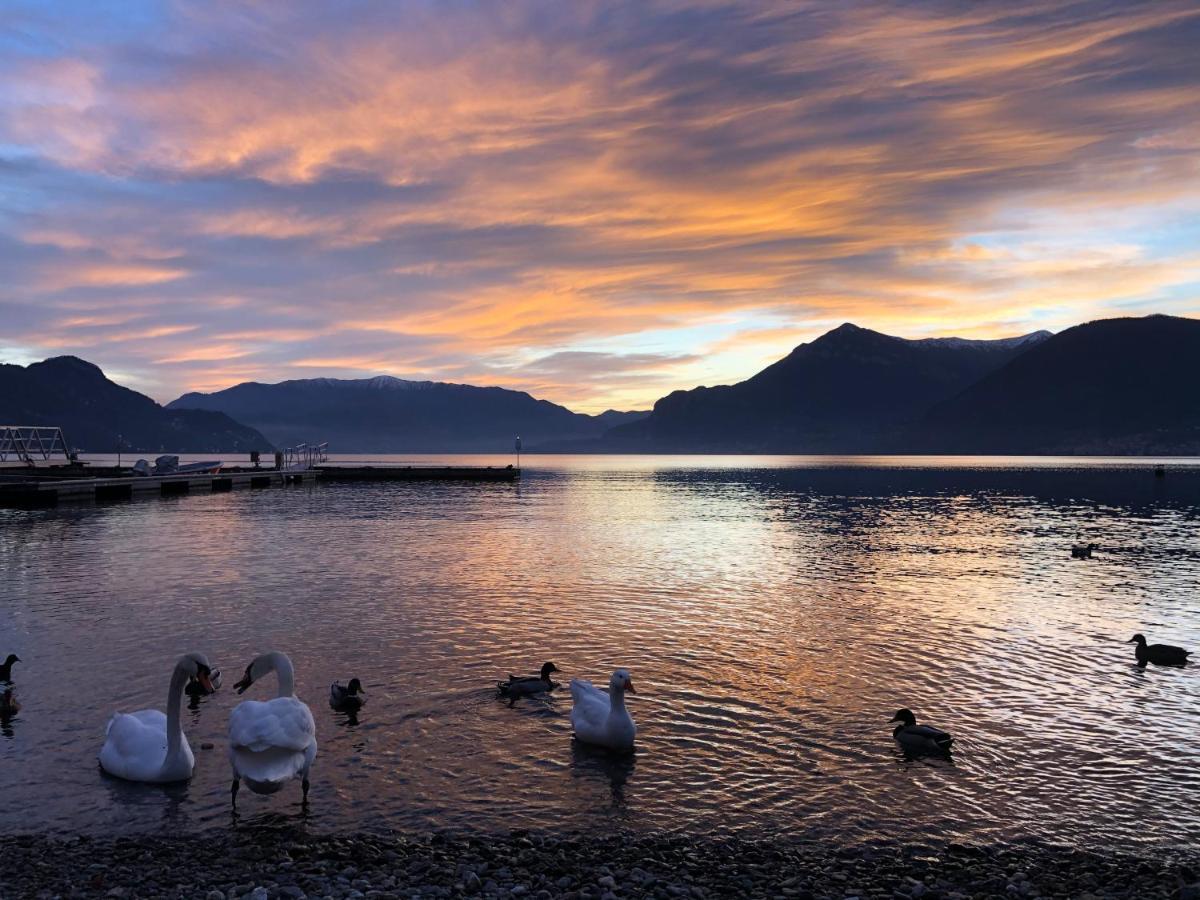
92,411
386,414
850,390
1115,386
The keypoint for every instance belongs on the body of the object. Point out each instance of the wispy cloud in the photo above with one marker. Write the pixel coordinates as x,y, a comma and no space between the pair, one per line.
506,192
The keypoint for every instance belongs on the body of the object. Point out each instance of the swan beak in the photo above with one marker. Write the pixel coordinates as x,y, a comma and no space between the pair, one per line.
206,683
241,686
629,687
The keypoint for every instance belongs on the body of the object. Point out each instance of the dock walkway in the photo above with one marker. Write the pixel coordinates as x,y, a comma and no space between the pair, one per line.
43,487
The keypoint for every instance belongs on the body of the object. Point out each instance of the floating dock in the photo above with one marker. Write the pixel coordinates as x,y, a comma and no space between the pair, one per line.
46,487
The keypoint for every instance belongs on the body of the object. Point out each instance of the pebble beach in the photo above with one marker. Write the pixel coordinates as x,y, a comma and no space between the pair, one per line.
261,864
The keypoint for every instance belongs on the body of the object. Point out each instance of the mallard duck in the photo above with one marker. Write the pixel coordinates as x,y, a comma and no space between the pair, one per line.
346,698
195,689
6,667
1082,551
602,719
530,684
8,704
1159,654
919,738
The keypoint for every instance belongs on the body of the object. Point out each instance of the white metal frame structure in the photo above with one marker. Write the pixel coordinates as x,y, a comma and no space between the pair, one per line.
31,444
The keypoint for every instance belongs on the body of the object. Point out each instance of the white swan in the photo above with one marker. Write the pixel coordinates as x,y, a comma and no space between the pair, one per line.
271,743
148,746
600,718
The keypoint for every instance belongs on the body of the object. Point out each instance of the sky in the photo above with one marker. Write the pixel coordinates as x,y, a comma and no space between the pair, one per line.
596,202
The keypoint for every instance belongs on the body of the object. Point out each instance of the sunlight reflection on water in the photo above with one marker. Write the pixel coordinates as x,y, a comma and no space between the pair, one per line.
774,617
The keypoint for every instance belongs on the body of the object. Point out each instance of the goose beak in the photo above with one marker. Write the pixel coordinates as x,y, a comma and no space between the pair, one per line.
1131,641
629,686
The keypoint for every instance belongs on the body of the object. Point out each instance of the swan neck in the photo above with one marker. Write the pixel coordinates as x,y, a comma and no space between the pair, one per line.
284,672
174,702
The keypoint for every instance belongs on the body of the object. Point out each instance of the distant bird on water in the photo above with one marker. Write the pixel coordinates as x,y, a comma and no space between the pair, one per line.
919,738
346,698
1082,551
6,667
531,684
1159,654
8,704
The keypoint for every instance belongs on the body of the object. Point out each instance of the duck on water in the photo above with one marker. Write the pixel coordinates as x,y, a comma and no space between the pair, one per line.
6,667
916,738
1159,654
531,684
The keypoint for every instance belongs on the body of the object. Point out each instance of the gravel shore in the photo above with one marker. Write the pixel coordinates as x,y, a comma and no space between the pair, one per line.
261,864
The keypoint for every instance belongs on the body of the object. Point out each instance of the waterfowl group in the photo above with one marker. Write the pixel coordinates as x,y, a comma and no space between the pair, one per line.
1159,654
6,667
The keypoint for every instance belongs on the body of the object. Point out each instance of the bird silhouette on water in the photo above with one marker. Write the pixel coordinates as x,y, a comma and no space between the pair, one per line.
1159,654
916,738
6,667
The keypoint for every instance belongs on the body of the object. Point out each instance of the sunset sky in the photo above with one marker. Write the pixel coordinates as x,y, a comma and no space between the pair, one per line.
594,202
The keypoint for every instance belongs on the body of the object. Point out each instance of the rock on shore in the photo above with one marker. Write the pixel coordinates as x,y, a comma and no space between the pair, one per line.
260,864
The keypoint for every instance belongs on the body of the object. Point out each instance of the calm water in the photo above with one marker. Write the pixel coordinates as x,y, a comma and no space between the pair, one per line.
774,613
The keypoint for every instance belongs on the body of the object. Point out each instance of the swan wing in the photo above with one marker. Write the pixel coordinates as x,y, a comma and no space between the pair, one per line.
284,723
274,765
135,745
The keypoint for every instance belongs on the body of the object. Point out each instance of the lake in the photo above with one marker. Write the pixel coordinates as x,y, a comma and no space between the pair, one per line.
774,613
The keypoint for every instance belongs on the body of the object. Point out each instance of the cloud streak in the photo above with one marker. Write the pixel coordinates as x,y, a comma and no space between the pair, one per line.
596,202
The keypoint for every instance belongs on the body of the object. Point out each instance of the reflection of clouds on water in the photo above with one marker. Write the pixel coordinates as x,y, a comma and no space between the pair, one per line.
773,620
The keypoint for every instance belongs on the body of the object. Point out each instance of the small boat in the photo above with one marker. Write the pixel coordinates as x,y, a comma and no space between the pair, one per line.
210,467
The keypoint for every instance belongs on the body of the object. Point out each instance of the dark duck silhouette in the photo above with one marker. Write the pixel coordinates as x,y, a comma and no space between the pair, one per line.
531,684
8,704
916,738
1082,551
1159,654
6,667
347,698
195,689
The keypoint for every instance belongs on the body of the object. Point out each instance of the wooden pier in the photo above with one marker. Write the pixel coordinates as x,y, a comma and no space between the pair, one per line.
46,487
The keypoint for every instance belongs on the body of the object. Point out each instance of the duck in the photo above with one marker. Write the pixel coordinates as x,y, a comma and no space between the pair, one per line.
346,698
148,746
6,667
916,738
602,719
8,704
1159,654
1082,551
274,742
530,684
195,689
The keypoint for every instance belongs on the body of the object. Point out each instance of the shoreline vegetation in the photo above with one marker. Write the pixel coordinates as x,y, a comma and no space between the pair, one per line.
260,863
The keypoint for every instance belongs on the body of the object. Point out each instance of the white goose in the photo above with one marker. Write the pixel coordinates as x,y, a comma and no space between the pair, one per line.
148,746
600,718
273,742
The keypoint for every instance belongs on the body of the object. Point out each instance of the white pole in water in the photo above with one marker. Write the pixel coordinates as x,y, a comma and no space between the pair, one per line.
518,451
